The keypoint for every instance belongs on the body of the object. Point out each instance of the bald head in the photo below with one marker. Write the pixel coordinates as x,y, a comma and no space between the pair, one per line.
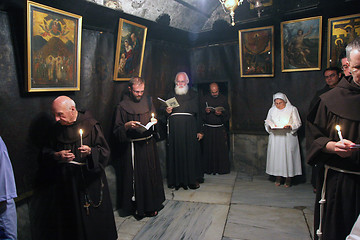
214,90
353,57
64,100
64,110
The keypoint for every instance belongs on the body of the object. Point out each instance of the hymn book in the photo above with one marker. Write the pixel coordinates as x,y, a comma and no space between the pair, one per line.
171,102
219,108
142,128
272,125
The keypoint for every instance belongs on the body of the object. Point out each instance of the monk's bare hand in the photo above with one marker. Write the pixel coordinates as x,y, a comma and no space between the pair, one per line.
154,120
65,156
85,150
341,148
131,125
218,112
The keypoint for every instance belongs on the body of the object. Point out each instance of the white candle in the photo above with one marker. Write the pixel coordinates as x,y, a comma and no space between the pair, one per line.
339,133
153,120
81,134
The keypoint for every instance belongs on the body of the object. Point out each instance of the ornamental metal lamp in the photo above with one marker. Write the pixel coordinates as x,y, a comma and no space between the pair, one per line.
258,5
230,6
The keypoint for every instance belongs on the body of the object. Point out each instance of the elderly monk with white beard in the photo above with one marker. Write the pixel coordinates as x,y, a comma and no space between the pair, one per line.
184,168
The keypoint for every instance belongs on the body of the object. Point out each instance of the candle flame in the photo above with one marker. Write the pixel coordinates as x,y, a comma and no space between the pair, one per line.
152,115
81,132
337,127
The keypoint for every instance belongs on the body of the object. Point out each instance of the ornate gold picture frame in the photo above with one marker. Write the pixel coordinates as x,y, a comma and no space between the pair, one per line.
341,31
256,47
53,49
301,44
130,49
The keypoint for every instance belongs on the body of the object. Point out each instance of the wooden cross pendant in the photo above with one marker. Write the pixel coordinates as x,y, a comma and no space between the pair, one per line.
87,205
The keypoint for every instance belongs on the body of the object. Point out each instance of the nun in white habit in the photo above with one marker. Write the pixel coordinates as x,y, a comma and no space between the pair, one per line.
283,155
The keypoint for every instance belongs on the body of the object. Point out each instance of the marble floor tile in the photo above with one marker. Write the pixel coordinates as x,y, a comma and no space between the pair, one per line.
233,206
263,192
203,197
309,215
216,189
262,222
186,220
168,192
128,227
227,179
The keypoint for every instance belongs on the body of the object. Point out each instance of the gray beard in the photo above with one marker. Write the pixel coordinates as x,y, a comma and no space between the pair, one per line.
181,91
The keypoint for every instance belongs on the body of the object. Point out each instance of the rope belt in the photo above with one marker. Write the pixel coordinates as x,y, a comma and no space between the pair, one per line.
133,159
175,114
212,125
323,192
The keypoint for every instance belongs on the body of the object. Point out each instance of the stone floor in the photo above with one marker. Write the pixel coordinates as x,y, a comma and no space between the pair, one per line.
228,207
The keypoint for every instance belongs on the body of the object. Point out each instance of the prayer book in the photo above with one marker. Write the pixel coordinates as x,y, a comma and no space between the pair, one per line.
219,108
272,125
73,162
142,128
355,146
171,102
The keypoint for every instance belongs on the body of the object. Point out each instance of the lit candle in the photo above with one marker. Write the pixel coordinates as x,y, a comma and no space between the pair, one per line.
153,117
81,134
153,120
339,133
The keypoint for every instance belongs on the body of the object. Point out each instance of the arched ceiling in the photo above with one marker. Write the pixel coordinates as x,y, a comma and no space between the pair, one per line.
189,15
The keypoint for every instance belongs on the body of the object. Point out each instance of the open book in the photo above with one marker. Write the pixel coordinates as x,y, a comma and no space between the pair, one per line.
272,125
171,102
142,128
219,108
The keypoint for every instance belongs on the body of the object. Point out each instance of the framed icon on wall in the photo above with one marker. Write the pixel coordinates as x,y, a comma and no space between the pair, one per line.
130,48
256,48
301,44
341,31
53,49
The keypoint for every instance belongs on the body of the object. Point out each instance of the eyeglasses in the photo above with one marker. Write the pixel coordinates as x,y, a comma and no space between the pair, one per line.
330,76
344,67
279,103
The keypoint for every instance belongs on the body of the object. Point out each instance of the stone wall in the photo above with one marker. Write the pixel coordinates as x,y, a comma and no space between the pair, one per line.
249,152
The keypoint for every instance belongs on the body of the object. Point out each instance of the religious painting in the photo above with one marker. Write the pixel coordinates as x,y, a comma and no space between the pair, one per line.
53,49
129,50
301,44
256,48
342,30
